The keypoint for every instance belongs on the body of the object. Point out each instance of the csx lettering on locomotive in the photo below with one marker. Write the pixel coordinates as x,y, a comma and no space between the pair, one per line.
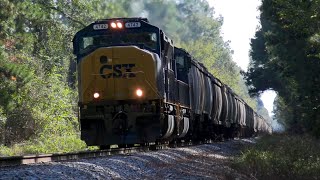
117,71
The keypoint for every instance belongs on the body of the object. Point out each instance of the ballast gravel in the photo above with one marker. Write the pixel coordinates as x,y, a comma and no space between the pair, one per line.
207,161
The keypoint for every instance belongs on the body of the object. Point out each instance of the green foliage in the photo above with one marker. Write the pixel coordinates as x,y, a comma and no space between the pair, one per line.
281,157
3,120
13,76
54,144
46,106
9,151
44,144
53,105
285,58
45,111
15,71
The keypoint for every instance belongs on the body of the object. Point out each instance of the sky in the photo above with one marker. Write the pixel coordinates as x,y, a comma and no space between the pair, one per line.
240,22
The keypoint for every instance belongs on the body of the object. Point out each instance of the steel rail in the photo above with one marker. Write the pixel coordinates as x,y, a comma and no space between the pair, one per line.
57,157
41,158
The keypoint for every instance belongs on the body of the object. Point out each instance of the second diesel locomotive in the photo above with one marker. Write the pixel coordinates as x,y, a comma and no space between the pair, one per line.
135,87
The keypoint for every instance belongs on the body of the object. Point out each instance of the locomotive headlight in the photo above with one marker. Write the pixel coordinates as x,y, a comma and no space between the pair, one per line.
96,95
119,24
113,25
139,92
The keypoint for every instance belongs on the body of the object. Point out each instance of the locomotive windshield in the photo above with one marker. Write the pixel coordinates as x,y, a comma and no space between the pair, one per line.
146,40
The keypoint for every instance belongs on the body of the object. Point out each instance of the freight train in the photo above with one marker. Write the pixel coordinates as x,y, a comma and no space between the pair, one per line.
136,87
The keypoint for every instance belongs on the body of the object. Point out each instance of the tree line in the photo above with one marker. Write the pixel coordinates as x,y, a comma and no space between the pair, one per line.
286,58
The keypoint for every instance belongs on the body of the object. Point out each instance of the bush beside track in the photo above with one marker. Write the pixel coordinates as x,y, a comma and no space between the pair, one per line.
281,157
57,144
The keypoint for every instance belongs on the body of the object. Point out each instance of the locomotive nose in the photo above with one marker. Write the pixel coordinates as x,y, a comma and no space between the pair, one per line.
119,88
119,73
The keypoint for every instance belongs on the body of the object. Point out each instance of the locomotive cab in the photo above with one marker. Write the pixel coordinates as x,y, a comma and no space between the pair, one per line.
117,32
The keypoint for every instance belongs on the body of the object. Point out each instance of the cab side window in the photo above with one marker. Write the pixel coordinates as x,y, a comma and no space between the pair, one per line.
182,69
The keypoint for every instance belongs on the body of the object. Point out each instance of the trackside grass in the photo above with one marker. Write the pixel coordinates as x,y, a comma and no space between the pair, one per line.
281,157
44,145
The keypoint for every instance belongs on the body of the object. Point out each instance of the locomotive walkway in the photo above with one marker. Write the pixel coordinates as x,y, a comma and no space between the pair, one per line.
207,161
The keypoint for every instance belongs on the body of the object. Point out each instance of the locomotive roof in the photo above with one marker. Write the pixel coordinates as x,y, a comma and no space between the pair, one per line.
144,23
129,25
124,19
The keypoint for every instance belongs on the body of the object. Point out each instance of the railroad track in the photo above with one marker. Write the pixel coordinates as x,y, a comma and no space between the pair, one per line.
41,158
32,159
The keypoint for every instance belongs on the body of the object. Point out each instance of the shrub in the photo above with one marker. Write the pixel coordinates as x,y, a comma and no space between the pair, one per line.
44,145
44,119
54,145
281,157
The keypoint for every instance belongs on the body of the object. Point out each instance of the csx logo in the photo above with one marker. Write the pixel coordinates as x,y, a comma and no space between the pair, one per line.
117,71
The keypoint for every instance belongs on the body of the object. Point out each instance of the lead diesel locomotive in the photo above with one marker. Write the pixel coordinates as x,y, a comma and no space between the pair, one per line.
135,87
